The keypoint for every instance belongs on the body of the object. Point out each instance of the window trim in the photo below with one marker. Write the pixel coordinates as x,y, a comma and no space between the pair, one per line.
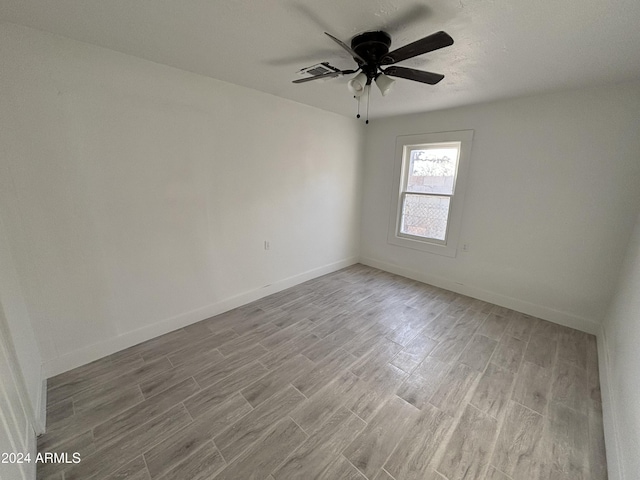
449,246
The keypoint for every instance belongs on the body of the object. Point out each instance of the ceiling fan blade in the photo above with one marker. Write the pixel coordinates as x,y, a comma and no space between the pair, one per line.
324,75
427,44
415,75
346,47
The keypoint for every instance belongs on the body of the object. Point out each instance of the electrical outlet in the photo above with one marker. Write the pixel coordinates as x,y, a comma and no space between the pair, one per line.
465,247
266,245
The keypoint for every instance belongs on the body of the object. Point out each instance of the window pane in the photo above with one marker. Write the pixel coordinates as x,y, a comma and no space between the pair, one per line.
425,216
432,170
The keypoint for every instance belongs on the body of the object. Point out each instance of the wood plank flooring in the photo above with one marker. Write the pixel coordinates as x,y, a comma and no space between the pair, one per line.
359,375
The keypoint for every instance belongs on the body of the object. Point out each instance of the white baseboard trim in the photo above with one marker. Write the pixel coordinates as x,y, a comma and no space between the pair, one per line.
556,316
93,352
611,437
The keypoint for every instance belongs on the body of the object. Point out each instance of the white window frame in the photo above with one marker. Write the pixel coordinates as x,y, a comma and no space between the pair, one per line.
404,144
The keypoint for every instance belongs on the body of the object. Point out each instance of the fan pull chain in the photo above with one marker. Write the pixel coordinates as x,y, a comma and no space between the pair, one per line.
358,98
368,97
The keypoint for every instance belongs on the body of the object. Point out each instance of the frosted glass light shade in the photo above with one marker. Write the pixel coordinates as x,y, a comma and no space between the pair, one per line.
357,84
384,83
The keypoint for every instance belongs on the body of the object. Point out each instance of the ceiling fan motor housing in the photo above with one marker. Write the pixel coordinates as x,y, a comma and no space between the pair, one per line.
372,47
370,50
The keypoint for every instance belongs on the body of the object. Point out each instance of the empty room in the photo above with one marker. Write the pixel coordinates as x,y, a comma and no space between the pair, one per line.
359,240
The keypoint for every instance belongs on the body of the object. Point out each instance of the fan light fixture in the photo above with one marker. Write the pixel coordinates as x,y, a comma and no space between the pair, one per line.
370,51
384,83
357,84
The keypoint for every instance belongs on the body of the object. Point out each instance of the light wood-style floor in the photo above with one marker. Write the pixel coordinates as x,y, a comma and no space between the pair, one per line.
355,375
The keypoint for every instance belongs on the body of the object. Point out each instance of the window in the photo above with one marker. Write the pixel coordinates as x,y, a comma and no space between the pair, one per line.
428,191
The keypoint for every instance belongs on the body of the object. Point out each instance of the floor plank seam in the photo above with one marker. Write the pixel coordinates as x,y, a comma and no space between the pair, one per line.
385,471
356,468
441,474
144,459
297,390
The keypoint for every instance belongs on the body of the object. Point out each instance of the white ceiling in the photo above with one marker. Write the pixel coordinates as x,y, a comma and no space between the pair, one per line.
503,48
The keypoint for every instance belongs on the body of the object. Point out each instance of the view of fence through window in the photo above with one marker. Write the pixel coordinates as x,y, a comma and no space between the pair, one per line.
429,185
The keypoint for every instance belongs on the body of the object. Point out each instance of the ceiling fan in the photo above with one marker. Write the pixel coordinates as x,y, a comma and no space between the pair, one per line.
371,52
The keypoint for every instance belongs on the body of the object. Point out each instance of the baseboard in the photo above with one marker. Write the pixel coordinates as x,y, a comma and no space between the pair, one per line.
611,438
95,351
563,318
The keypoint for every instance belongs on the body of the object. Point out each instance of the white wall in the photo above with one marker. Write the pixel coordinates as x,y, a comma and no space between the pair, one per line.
621,364
551,199
137,197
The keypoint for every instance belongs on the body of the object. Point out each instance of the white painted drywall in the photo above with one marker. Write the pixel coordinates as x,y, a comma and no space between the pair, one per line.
621,338
137,197
551,200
